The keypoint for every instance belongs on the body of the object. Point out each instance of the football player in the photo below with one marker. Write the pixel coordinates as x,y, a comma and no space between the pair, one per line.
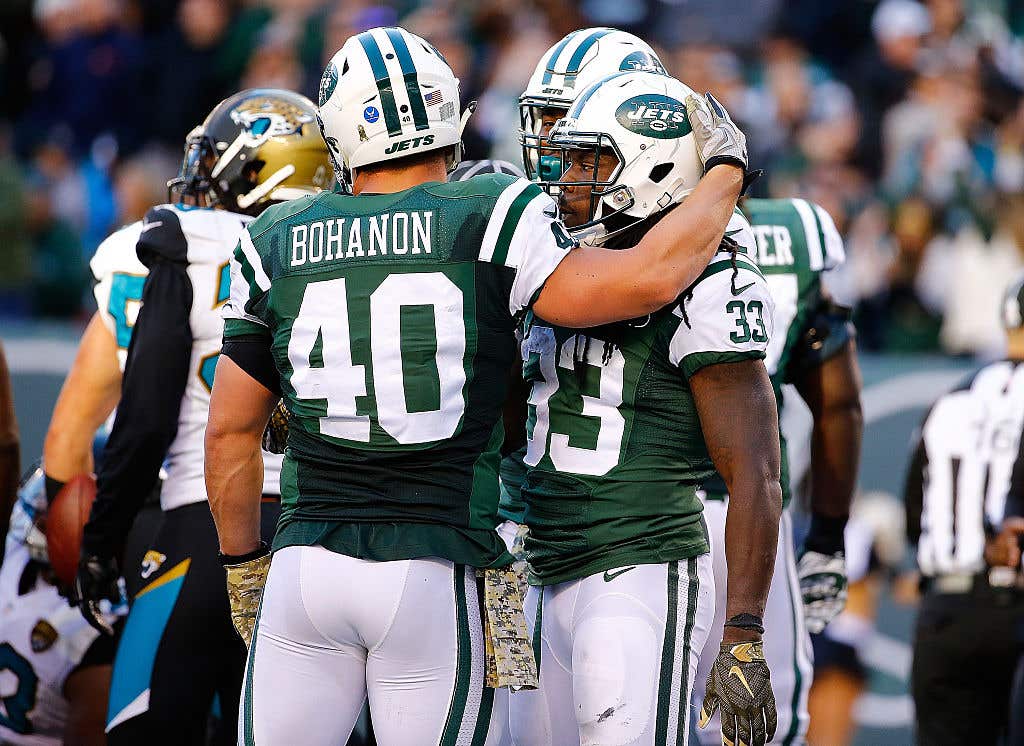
179,650
386,319
813,355
625,421
54,668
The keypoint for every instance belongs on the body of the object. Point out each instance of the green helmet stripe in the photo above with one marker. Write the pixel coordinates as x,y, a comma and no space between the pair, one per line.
577,107
580,53
380,72
549,70
412,80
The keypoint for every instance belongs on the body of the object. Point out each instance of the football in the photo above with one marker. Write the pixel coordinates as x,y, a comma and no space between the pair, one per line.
65,519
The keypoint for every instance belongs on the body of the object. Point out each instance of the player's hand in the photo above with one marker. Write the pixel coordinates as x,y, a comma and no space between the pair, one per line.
740,684
823,587
718,138
1003,549
98,580
246,578
275,436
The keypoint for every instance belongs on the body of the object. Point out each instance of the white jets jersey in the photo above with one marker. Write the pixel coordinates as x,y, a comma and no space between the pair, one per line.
42,640
211,237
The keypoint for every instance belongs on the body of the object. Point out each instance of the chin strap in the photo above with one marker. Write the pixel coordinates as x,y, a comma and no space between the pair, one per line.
458,151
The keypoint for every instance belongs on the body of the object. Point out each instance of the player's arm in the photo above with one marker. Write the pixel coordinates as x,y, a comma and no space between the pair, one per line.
240,407
738,415
9,447
913,487
597,286
89,395
86,690
594,286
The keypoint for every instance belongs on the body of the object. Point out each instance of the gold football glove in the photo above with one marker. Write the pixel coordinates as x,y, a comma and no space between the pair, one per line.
275,436
739,683
245,589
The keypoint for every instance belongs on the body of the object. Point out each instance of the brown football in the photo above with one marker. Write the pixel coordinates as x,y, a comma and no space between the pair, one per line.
65,519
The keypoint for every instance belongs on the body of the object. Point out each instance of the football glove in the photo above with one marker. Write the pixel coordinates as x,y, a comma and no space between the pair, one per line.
275,436
98,580
823,587
245,580
740,684
718,139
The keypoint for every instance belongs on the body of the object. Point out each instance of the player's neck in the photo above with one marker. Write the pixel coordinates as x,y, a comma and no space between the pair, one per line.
388,180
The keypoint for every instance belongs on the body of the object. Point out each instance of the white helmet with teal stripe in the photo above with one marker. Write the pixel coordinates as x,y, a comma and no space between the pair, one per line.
639,121
388,94
568,68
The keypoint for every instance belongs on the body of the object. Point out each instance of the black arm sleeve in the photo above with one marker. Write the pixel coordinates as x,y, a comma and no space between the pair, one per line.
913,491
147,416
252,354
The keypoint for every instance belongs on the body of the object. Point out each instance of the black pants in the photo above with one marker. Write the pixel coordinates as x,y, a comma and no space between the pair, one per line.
180,659
966,649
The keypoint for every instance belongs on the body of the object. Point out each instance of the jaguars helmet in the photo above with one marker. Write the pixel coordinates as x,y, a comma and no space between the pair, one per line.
257,147
639,119
28,515
569,67
469,169
388,94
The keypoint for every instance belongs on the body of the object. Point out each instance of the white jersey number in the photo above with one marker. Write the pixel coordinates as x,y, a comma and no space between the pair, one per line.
605,408
340,381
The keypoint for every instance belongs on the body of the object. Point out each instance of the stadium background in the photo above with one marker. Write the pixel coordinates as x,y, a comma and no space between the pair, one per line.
905,121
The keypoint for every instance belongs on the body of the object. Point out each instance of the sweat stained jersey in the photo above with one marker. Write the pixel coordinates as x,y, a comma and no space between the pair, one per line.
615,449
391,321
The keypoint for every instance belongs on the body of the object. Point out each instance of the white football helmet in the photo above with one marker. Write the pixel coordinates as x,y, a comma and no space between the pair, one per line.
388,94
573,64
639,119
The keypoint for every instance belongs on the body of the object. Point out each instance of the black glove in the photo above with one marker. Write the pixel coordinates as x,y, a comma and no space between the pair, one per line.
739,682
98,579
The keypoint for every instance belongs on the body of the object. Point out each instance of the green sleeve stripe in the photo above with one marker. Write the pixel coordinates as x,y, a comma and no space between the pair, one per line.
697,360
412,80
725,265
812,234
380,72
511,222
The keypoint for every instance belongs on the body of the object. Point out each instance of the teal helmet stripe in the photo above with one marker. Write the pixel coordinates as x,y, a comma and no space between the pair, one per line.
412,80
549,70
380,72
581,51
578,105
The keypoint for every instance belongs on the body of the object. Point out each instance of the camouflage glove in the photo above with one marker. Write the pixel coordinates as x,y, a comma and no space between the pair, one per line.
275,437
823,587
739,682
246,577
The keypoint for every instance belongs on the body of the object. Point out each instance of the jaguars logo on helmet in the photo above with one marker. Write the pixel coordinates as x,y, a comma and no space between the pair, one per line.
256,147
567,69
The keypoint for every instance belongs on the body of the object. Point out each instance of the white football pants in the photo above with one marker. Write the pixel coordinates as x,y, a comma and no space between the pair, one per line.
618,655
787,644
334,630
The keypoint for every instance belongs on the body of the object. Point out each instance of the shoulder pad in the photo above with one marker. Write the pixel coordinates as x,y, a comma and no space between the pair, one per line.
161,238
117,254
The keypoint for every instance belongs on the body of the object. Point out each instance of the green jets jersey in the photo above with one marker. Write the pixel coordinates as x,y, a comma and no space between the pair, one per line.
615,450
391,322
796,243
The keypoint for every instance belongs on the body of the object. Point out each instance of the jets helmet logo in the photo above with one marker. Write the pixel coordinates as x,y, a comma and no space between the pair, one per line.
641,61
654,115
263,118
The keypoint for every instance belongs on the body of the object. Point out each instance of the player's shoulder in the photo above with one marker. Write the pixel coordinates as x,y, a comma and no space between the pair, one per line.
488,188
188,235
281,213
800,232
729,274
740,231
116,253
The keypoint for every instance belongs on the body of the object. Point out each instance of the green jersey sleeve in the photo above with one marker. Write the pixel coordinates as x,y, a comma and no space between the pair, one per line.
249,285
525,234
726,316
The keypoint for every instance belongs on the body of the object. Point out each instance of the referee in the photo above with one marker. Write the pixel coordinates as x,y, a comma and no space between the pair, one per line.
962,499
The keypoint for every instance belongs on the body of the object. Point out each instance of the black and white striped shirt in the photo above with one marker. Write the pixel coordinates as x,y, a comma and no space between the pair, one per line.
962,474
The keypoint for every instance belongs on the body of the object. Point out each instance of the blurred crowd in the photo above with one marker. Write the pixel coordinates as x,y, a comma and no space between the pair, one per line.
904,119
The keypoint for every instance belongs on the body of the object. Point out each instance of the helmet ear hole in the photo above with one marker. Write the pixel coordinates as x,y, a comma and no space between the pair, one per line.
660,171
